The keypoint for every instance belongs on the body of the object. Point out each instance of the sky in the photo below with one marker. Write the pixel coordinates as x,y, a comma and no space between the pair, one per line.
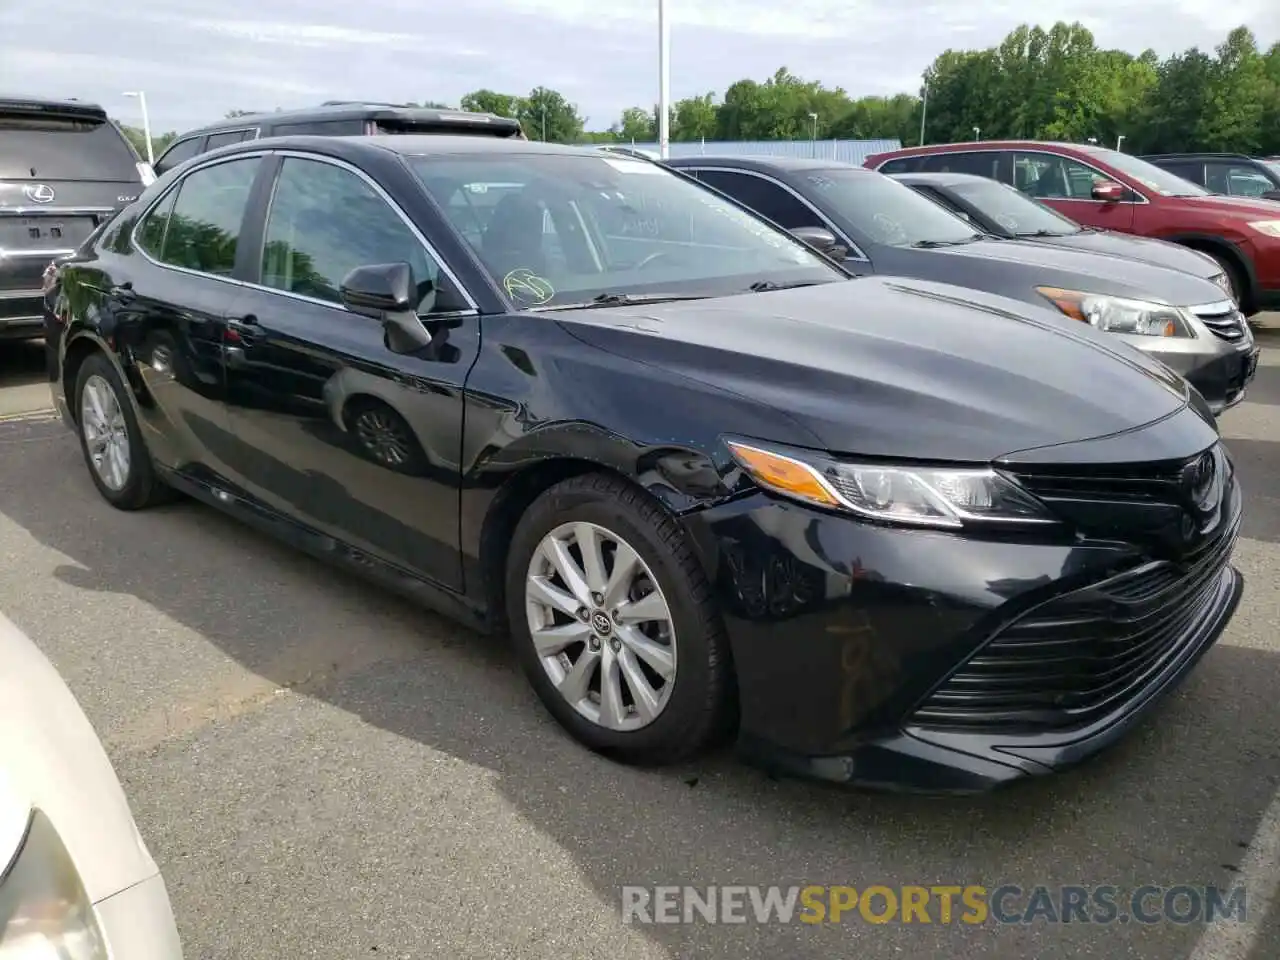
197,60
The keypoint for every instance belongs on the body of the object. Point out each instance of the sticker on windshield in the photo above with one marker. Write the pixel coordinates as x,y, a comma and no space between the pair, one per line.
632,166
526,287
1006,221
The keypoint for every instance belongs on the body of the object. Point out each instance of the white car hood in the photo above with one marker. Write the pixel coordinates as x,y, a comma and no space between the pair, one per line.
51,760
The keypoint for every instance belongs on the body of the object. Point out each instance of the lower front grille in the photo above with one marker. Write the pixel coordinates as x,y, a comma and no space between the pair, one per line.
1224,321
1075,658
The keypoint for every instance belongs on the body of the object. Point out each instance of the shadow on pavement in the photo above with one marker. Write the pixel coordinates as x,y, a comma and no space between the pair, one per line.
1174,803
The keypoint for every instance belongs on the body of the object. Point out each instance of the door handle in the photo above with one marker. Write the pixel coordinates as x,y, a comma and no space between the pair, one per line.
242,330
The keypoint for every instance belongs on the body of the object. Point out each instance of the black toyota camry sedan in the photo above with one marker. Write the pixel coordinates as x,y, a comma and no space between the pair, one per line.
882,531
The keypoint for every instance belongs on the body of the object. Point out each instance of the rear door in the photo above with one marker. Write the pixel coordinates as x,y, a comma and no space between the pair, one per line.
63,171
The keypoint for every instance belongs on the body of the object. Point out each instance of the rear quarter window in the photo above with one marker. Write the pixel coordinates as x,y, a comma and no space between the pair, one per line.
56,148
901,165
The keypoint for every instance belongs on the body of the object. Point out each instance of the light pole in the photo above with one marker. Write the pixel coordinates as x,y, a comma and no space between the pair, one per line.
813,139
664,81
1119,140
924,109
544,123
977,133
146,121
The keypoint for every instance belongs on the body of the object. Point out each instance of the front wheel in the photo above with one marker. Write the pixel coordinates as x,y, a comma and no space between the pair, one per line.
614,623
111,440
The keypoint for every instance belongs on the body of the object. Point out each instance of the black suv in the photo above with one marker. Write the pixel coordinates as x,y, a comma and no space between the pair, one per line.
64,169
1232,174
335,118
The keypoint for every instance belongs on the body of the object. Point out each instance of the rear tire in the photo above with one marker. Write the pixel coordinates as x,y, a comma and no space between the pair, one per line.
647,684
111,440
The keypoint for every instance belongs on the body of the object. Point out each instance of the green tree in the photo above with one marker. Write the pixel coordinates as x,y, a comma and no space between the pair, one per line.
488,101
546,115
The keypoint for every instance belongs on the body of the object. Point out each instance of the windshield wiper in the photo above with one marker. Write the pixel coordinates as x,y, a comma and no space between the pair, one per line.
934,244
765,286
1040,233
626,300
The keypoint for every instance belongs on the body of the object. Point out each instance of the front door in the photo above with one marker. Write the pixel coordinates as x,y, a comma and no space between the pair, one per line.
332,427
1066,185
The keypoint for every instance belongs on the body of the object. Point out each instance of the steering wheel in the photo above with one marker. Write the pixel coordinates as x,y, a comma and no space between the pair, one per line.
656,255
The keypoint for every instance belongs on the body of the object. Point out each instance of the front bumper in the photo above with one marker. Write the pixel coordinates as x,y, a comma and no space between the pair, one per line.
845,636
138,923
1220,368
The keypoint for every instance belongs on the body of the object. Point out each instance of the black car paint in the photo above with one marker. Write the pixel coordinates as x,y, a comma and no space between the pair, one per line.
1109,243
838,627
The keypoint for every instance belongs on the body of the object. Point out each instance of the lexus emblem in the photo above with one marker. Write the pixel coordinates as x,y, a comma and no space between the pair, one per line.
39,193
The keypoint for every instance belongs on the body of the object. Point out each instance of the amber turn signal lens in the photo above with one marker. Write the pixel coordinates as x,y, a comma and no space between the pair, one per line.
776,472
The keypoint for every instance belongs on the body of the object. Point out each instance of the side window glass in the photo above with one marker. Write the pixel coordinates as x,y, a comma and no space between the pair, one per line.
901,165
180,152
325,221
765,197
1195,172
150,235
980,164
1243,181
204,222
1050,177
217,140
321,128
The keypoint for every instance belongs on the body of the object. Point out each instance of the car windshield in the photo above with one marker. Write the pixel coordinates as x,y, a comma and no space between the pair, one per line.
886,211
1150,176
49,148
1012,209
561,229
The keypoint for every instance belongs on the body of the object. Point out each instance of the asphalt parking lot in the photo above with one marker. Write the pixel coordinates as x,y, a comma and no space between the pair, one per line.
322,770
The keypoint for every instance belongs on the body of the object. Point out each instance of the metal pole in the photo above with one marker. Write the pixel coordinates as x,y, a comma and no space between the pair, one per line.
664,81
544,123
146,122
813,136
924,111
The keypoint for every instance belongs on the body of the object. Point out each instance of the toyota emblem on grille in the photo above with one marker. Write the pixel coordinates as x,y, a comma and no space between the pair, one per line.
1202,482
39,192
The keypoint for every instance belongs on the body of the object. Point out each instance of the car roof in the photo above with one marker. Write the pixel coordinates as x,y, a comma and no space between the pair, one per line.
45,105
345,110
413,145
798,164
968,145
946,179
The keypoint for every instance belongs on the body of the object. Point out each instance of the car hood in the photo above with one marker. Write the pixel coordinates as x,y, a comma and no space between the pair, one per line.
59,767
1043,264
1246,208
900,368
1161,253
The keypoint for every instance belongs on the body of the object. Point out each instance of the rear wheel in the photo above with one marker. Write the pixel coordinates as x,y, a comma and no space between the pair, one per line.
118,460
614,623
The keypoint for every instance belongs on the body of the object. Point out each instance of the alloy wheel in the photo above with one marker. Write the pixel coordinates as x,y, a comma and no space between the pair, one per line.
106,434
601,626
383,438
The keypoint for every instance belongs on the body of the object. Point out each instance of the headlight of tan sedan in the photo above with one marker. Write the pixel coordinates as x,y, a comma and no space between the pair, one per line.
44,911
1119,314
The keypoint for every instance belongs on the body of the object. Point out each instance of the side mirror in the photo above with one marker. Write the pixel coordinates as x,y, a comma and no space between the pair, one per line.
822,240
387,292
1108,191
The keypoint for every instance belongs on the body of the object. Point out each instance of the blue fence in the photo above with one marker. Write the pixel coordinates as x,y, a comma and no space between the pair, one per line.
845,151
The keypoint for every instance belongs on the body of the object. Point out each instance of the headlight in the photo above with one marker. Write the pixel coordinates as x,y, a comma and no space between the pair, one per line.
1270,227
1118,314
44,911
1223,283
919,496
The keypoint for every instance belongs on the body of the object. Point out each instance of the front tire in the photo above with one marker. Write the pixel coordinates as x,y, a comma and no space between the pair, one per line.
111,440
614,623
